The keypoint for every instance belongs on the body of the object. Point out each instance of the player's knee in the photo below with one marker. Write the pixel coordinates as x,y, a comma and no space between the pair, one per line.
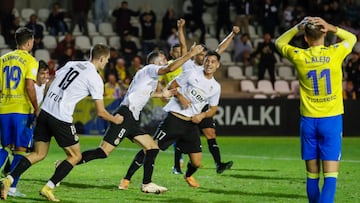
209,133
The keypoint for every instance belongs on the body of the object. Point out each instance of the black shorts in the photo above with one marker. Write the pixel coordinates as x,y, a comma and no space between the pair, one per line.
48,126
207,123
184,133
129,128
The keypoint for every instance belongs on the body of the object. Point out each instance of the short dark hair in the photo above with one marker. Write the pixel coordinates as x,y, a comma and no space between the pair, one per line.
99,50
43,65
151,57
312,31
22,35
213,53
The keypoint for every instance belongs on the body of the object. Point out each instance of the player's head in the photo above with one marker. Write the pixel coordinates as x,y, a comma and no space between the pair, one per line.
199,58
99,55
313,32
212,62
175,51
157,58
43,73
24,38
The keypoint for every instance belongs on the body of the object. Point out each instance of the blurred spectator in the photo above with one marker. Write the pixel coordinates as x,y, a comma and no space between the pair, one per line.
67,42
55,22
38,44
198,8
66,56
244,9
223,17
266,52
101,12
80,9
121,70
135,66
169,21
112,88
242,48
357,44
123,16
36,27
52,69
8,30
287,18
352,11
269,17
128,48
352,70
349,91
148,36
173,38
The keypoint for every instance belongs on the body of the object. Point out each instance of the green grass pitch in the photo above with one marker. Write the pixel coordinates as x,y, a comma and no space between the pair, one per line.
266,169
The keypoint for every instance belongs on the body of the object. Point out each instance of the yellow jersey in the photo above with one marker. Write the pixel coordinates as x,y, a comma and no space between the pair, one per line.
16,67
170,75
319,72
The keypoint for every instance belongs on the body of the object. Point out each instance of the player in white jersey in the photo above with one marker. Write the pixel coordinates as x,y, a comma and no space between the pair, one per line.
41,80
195,90
73,82
141,89
207,125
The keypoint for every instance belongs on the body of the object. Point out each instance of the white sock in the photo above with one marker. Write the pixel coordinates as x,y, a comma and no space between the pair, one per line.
50,184
12,189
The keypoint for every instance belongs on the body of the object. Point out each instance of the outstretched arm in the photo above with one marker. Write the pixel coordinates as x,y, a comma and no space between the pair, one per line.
227,41
182,40
195,49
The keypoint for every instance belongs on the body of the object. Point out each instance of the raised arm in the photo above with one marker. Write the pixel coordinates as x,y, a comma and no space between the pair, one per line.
182,40
195,49
227,40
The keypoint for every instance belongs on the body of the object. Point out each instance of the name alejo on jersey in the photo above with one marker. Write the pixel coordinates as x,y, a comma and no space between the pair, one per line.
318,59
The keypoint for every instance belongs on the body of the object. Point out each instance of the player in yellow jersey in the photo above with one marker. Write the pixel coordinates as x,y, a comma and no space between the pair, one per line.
18,101
319,70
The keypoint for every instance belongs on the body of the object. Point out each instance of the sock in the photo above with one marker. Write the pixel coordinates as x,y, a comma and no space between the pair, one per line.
177,157
92,154
17,157
190,169
149,162
7,165
21,167
61,172
214,150
3,156
312,187
135,164
329,187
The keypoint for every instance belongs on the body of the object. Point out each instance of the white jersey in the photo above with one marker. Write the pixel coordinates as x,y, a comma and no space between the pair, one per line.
142,86
73,82
190,65
40,90
198,89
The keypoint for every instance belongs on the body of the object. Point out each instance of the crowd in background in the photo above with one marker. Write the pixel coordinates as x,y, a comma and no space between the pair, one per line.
268,18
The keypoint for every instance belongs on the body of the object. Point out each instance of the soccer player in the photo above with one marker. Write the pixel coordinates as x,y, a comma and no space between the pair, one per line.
141,89
41,79
195,90
18,102
207,125
73,82
321,103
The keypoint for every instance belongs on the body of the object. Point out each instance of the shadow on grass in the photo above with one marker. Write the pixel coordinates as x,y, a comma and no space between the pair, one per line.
166,199
257,177
242,169
260,194
74,185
